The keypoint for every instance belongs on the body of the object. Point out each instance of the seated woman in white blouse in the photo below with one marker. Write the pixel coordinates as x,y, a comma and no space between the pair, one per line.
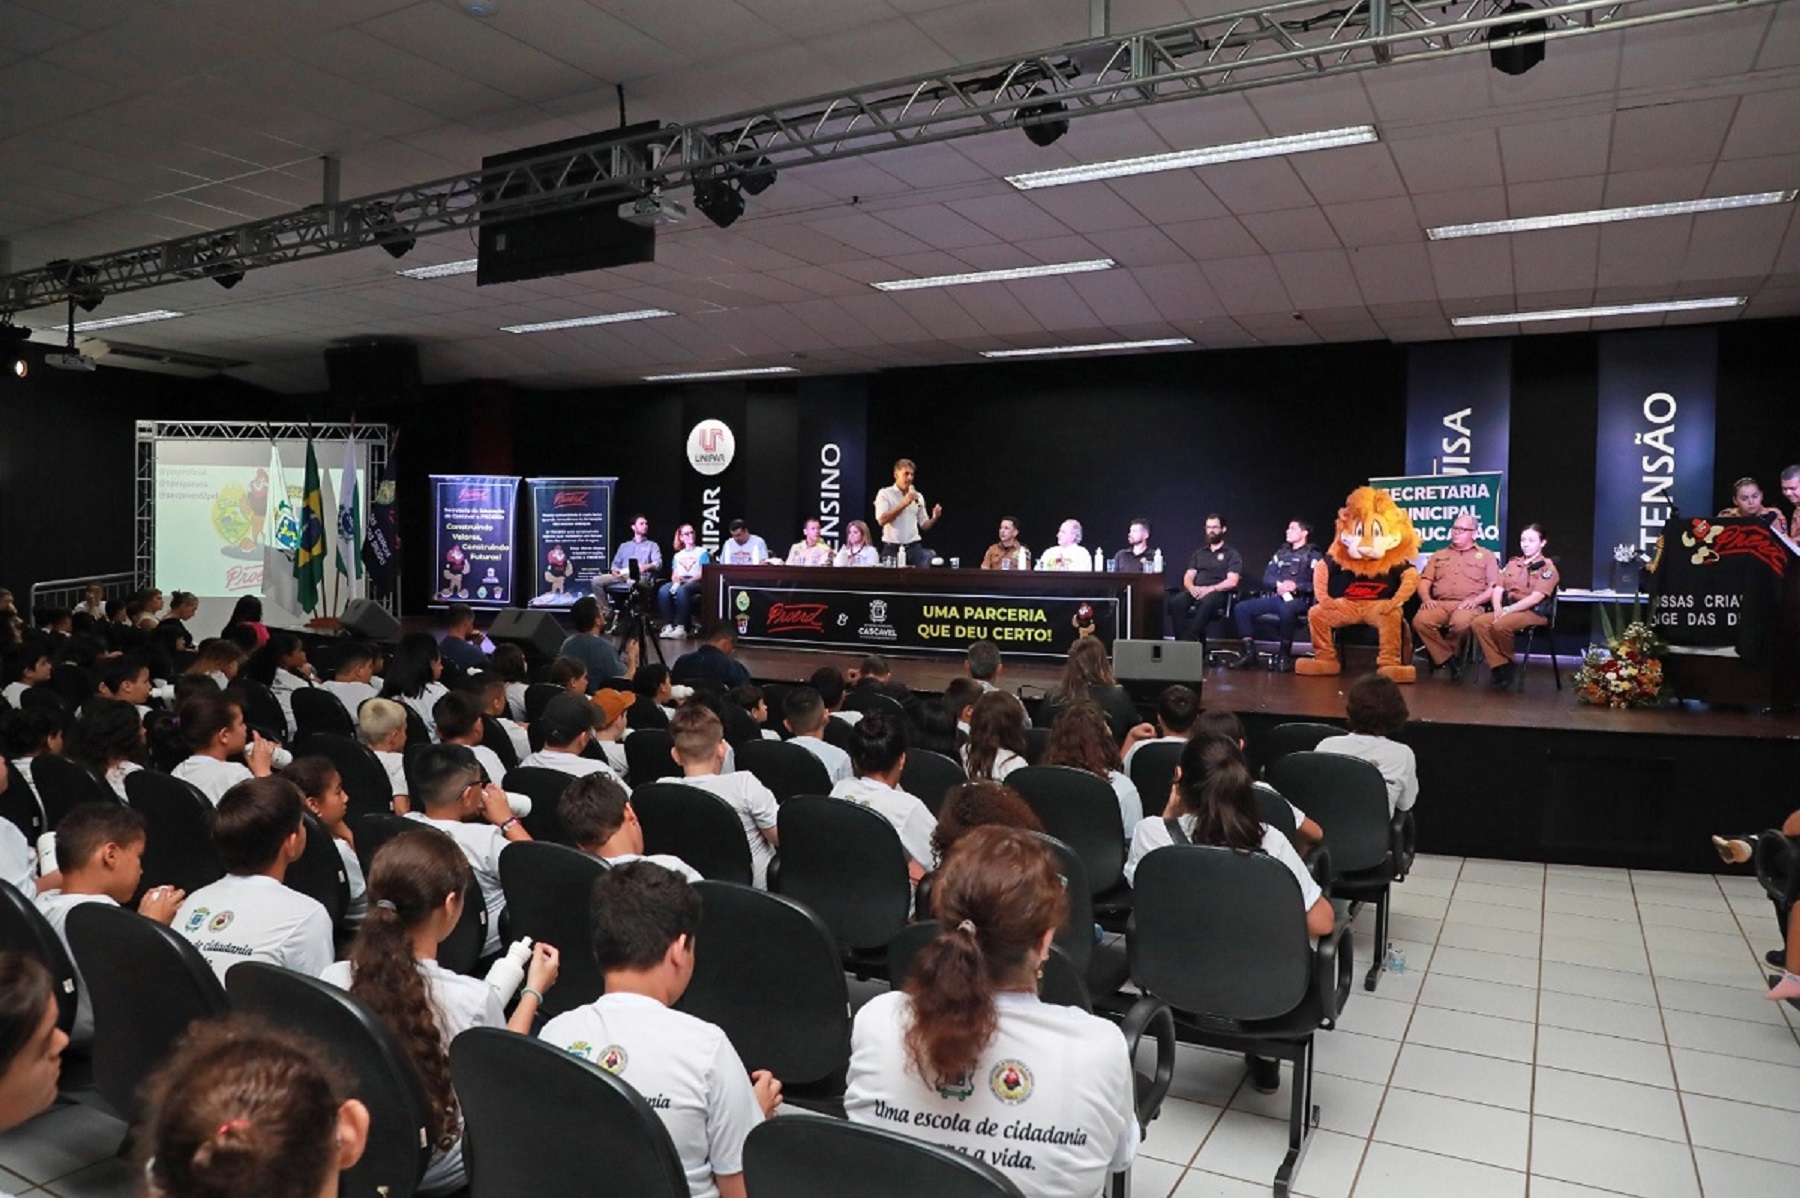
857,550
996,744
969,1048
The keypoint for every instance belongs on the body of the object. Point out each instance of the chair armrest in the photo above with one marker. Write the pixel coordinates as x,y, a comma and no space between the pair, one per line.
1151,1015
1403,843
1334,970
1777,861
772,877
1318,863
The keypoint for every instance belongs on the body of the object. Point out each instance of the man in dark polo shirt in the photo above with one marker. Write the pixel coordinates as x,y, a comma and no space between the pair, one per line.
1212,575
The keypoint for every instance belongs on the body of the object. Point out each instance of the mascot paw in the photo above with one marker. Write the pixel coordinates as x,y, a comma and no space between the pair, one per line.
1398,673
1313,667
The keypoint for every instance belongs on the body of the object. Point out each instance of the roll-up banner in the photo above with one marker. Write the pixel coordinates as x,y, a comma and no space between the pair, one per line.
1459,411
472,525
1653,450
833,452
571,526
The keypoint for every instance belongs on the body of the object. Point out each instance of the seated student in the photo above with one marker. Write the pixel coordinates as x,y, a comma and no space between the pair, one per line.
1088,675
713,661
490,691
587,646
126,677
960,694
1214,722
597,818
700,752
936,730
1376,710
612,712
281,666
951,1058
248,915
996,744
461,646
108,738
829,681
381,725
353,680
971,805
449,792
417,882
458,719
878,753
804,714
750,697
654,702
219,660
211,727
24,666
240,1108
172,632
567,724
509,662
26,735
569,673
412,676
322,789
1081,739
31,1045
1177,707
645,918
982,663
100,854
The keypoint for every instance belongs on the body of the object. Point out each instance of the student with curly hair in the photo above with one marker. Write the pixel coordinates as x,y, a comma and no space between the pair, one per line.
1376,710
1081,739
973,805
108,738
996,745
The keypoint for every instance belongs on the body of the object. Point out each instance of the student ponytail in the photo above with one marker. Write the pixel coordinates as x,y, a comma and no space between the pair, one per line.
1217,789
196,723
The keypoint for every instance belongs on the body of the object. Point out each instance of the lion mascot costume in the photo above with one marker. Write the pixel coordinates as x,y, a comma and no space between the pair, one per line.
1365,578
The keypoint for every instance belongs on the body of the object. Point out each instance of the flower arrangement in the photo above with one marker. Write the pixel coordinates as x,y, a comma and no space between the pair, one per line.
1627,672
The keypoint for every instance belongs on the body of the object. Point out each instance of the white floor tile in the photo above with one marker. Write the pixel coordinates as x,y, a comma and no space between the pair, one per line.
1199,1184
1488,1080
1738,970
1571,926
1727,1175
1673,880
1605,1056
1612,1160
1732,945
1621,908
1250,1147
1737,1079
1430,865
1345,1105
1626,955
1499,896
1449,1127
1595,982
1698,921
1733,1037
1455,991
1603,1015
1483,1035
1604,1102
1504,873
1604,885
1157,1179
1550,1187
1487,939
1390,1171
1362,1058
1728,1002
1175,1135
1673,896
1375,1015
1330,1165
1739,1127
1426,886
1413,927
1204,1075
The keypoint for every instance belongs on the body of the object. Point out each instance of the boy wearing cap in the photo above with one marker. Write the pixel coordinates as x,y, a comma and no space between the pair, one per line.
610,726
568,724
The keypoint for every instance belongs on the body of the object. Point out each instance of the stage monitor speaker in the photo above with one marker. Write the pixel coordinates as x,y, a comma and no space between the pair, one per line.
367,618
536,632
1159,661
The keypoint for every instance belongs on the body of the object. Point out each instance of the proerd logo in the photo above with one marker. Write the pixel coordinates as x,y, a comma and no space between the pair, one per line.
795,617
570,499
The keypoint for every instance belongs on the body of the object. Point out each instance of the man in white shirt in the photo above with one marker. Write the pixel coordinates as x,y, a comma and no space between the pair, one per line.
449,792
900,511
1067,553
878,748
645,919
743,547
700,751
381,725
567,723
353,680
596,817
249,915
803,711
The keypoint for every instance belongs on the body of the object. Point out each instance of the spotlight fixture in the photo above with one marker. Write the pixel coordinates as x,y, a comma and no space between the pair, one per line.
12,345
1042,131
225,275
379,220
1518,58
758,176
79,280
720,202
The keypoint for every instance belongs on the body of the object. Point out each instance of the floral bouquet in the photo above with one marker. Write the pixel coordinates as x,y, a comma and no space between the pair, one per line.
1626,673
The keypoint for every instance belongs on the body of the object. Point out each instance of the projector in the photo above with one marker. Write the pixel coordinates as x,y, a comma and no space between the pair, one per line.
70,361
652,210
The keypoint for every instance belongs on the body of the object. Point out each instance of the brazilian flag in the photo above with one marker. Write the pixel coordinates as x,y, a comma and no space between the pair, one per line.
309,561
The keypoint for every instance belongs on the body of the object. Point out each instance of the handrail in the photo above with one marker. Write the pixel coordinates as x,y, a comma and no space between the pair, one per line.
52,589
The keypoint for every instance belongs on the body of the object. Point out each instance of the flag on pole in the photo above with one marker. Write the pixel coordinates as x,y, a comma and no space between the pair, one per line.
309,561
381,545
280,535
349,525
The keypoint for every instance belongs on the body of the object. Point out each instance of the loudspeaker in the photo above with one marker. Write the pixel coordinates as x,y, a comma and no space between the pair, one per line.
367,618
536,632
1517,59
1159,661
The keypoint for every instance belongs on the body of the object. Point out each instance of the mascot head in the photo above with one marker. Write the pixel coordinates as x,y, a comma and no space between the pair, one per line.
1373,534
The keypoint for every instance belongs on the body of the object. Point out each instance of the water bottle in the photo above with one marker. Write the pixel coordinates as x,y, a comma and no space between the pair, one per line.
46,852
1156,562
1099,561
518,804
507,974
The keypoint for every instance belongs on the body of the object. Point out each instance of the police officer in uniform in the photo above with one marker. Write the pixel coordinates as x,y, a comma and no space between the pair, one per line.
1288,579
1454,586
1526,582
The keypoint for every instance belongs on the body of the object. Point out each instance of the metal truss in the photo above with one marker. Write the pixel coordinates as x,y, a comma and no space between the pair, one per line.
1251,48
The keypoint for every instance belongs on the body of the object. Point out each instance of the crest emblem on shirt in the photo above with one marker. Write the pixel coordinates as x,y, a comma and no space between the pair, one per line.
197,918
580,1048
613,1059
220,922
1011,1082
958,1087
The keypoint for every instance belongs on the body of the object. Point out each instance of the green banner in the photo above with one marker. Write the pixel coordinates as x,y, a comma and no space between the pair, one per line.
1434,501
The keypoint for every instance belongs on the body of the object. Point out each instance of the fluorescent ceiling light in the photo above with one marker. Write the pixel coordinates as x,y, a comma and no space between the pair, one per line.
1605,216
998,276
717,374
582,322
1267,147
1687,305
441,270
113,322
1098,347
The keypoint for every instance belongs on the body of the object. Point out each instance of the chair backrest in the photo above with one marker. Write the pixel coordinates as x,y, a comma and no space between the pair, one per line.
1076,936
460,951
645,713
374,829
418,732
1080,810
317,710
74,684
538,696
20,805
320,873
1037,739
385,1079
126,960
647,756
929,776
847,864
1061,982
1273,809
695,825
1346,797
549,894
838,732
1283,739
785,768
23,929
365,779
810,1156
544,786
767,971
495,739
541,1121
262,711
1153,772
865,700
1221,933
63,783
178,846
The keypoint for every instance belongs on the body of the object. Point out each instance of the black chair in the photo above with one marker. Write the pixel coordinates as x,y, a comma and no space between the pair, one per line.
865,700
1221,938
74,684
1547,609
549,894
1283,739
178,848
847,864
538,696
1153,767
1102,968
1082,811
646,713
374,829
495,739
785,768
63,783
418,732
124,958
695,825
544,787
317,711
1371,848
811,1156
1777,862
365,779
262,711
23,929
384,1077
319,873
649,756
541,1121
767,971
462,950
838,732
19,804
929,776
1036,741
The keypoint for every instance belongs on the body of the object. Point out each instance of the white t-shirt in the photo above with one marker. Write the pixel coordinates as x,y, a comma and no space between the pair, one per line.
55,906
835,760
666,860
353,874
1066,557
1399,769
684,1067
255,918
521,741
1153,834
424,701
903,529
481,844
573,764
685,564
395,765
1131,804
283,686
1049,1101
868,555
615,756
910,817
212,776
14,692
1005,762
18,861
755,806
116,775
351,694
490,763
515,701
753,552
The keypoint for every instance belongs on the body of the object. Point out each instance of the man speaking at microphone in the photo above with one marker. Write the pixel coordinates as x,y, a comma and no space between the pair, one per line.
900,510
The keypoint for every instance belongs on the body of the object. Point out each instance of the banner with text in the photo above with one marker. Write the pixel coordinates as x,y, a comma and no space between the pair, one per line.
1718,584
833,448
1434,501
713,487
472,527
1459,409
1653,446
571,523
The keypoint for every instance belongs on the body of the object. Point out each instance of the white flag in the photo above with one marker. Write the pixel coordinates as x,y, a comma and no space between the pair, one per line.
349,525
280,537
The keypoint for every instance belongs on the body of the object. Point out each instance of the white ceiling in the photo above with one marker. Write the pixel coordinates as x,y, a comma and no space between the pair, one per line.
124,122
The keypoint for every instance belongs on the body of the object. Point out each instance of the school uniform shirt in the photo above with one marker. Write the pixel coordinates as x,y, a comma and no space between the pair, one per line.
755,807
55,906
1048,1102
515,701
573,764
1005,762
252,917
23,765
684,1067
1153,834
14,693
910,817
615,756
283,686
395,765
1399,769
481,844
835,760
359,888
424,701
18,863
1131,804
212,776
521,741
667,860
351,694
116,775
490,762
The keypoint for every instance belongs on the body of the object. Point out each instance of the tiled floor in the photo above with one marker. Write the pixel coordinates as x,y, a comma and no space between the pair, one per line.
1557,1032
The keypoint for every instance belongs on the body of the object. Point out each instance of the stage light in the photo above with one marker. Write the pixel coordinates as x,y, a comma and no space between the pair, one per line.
1519,58
1095,347
758,177
12,344
721,203
997,276
1651,309
1265,147
1042,132
379,219
1605,216
225,276
20,368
